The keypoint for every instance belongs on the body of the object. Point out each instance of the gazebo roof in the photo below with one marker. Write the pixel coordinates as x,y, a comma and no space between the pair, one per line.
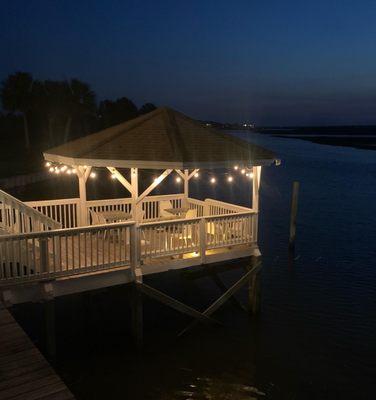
161,139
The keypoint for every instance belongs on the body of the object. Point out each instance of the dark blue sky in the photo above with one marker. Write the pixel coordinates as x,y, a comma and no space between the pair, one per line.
271,62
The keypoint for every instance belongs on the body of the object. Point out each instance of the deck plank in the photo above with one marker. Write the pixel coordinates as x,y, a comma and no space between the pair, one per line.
24,372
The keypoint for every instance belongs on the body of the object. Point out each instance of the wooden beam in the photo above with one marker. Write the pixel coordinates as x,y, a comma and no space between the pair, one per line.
175,304
225,296
191,175
154,184
121,178
180,173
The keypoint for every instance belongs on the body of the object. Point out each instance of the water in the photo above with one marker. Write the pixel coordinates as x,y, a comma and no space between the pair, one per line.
316,335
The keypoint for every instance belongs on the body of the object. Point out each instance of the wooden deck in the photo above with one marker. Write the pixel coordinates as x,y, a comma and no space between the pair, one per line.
24,372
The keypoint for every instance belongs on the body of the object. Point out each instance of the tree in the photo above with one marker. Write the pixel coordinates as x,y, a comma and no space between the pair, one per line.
114,112
16,95
146,108
80,103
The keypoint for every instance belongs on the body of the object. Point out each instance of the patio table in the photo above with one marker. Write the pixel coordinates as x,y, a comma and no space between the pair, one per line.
115,216
178,211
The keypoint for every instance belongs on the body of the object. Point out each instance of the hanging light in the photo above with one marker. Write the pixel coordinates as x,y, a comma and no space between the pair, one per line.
178,179
230,179
48,164
74,170
57,170
196,175
250,175
51,169
113,176
236,167
93,175
69,171
213,180
243,171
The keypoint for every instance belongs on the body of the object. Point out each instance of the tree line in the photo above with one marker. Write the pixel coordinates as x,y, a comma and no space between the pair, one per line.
57,111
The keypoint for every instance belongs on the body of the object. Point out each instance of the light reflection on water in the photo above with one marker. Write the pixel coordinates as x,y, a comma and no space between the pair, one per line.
316,335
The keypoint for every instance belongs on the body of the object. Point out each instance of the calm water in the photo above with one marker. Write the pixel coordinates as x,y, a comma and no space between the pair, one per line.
315,337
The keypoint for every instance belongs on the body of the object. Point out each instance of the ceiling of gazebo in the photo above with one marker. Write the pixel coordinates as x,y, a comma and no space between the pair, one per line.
161,139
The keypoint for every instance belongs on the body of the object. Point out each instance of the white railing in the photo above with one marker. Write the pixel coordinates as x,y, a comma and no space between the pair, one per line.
197,205
229,230
17,217
64,211
216,207
168,238
63,252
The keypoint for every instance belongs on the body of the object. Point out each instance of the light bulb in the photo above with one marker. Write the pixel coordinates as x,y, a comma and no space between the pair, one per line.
213,180
63,168
178,179
113,176
196,175
250,175
48,164
93,175
236,168
51,169
230,179
74,170
243,171
69,171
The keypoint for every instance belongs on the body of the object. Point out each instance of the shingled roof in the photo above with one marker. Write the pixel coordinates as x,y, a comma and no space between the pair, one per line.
163,138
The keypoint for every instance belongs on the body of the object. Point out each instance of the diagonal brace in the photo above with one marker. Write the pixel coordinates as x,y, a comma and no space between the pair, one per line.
222,299
175,304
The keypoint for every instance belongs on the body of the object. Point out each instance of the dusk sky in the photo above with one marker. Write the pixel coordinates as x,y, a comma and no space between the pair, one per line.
269,62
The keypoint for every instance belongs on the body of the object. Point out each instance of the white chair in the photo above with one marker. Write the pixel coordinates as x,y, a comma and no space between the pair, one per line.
187,231
97,218
163,206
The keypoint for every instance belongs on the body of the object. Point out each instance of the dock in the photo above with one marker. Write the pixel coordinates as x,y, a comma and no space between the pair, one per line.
24,373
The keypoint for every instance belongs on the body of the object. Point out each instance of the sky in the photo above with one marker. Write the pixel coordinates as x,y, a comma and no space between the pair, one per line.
267,62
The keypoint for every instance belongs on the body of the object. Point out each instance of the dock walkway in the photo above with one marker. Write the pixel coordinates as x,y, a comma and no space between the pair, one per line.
24,373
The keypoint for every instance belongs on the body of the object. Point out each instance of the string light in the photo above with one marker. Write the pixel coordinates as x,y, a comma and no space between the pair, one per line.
93,175
63,168
196,175
69,171
250,175
236,167
57,170
48,164
74,170
213,180
178,179
230,179
243,171
113,176
51,169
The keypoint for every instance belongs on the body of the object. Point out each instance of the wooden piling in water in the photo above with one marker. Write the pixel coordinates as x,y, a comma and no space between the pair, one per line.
293,215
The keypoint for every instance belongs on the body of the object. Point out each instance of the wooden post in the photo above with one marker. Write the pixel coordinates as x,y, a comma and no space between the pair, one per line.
135,206
137,315
49,327
255,200
202,228
82,174
254,288
294,212
186,187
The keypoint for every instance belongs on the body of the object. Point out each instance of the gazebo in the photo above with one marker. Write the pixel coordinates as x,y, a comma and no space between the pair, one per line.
141,233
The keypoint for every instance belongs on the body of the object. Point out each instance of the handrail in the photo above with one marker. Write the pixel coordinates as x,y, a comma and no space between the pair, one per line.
66,231
12,202
225,204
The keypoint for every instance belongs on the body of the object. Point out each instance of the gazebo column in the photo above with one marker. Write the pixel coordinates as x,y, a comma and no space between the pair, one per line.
82,174
255,197
136,207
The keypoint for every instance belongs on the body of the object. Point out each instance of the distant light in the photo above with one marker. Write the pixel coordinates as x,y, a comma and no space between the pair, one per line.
236,167
230,179
48,164
243,171
178,179
93,175
213,180
196,175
